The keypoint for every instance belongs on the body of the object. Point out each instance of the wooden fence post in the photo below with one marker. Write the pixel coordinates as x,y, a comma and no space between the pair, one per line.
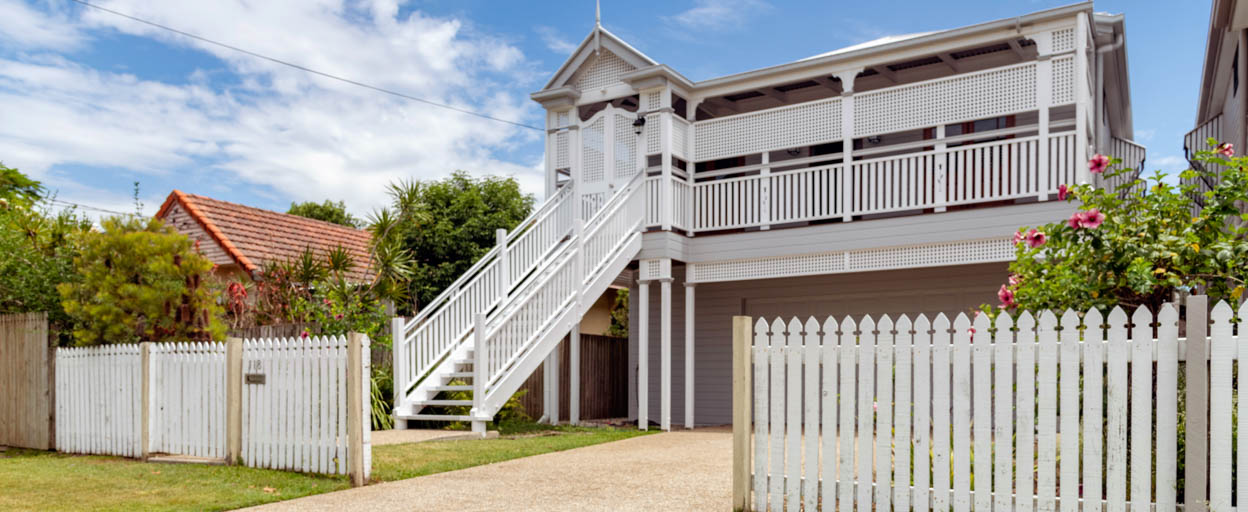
145,401
741,407
355,408
52,342
234,400
1196,472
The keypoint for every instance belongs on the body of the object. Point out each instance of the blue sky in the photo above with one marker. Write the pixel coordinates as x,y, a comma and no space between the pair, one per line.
90,103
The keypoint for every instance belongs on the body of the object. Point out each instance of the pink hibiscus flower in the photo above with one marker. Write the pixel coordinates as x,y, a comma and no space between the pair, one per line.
1225,149
1006,296
1014,280
1062,192
1035,238
1098,163
1019,237
1090,219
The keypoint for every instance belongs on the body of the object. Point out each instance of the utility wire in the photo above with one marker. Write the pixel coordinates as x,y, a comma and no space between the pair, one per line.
302,68
63,202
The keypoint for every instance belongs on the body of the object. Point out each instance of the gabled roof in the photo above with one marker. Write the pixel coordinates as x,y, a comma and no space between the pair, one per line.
253,237
598,38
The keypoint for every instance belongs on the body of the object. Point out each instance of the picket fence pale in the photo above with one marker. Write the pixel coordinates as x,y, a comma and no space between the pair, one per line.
99,400
980,415
187,410
293,402
297,418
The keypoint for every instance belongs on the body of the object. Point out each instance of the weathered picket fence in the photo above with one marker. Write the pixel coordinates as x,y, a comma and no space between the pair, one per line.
187,408
99,400
297,420
934,415
294,404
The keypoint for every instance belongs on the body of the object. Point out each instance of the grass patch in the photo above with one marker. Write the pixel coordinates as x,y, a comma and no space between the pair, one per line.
36,480
402,461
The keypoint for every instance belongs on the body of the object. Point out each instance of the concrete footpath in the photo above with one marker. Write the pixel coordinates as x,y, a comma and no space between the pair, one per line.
681,470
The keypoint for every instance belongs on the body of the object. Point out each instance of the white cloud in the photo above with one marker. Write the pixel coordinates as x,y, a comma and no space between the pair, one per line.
554,41
718,14
306,137
29,28
1168,163
1144,135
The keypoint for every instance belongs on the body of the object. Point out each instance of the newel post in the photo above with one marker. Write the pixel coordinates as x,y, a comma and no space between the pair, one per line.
398,358
479,374
741,408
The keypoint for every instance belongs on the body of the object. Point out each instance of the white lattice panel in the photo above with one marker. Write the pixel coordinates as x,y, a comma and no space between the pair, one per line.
1063,80
680,138
593,151
561,150
966,97
604,70
803,124
932,255
625,147
655,269
654,135
911,256
1063,40
654,100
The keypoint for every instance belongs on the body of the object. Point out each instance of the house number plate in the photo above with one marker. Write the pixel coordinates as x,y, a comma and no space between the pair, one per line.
254,378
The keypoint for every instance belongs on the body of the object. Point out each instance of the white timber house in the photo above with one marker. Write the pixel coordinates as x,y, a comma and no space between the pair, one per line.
1221,112
886,177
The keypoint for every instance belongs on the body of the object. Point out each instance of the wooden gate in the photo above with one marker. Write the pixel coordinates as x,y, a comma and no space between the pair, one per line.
26,377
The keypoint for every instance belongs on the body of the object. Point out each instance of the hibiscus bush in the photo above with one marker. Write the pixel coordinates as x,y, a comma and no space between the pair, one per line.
1138,244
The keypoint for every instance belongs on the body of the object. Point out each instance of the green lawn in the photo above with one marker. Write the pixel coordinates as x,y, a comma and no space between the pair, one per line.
34,480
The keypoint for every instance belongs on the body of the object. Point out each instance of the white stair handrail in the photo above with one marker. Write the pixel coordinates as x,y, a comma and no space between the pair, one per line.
478,290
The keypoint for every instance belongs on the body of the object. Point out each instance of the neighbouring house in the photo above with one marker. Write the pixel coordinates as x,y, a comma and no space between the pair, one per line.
240,240
886,177
1221,112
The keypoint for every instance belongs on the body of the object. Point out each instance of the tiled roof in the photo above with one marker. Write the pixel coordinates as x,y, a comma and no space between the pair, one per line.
254,237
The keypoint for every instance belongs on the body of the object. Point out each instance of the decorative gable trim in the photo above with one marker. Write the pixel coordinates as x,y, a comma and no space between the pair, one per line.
585,52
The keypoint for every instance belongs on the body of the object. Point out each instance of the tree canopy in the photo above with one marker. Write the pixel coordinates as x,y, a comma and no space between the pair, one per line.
1139,244
444,226
327,211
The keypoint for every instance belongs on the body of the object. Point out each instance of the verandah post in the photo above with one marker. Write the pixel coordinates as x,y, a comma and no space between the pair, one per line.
1044,97
741,409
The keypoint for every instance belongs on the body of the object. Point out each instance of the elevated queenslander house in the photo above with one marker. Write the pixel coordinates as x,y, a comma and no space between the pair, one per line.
888,176
1221,112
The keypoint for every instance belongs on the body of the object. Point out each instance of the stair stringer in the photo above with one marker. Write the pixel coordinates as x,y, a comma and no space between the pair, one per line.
510,382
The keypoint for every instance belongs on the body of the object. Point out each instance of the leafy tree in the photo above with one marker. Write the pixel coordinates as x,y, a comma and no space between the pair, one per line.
1139,244
139,280
327,211
445,226
37,248
619,315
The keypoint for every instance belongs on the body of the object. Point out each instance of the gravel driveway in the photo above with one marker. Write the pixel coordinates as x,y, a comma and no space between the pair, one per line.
680,470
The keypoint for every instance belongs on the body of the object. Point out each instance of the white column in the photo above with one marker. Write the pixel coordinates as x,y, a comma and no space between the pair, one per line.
691,115
480,374
764,203
942,170
689,352
574,375
551,157
665,354
555,366
846,181
643,355
1083,98
1044,98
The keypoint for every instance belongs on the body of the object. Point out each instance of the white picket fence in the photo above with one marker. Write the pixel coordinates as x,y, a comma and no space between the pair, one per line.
297,420
187,410
292,398
890,415
98,400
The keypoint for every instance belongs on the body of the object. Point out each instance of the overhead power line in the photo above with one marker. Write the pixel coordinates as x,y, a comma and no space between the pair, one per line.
62,202
303,68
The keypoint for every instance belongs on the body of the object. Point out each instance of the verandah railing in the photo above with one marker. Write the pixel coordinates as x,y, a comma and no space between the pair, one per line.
973,414
978,173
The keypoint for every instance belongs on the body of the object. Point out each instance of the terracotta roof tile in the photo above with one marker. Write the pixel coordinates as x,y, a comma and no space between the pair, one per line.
254,236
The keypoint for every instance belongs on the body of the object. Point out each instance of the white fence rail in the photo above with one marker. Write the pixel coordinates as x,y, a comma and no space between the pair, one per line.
939,415
291,402
98,400
187,410
297,419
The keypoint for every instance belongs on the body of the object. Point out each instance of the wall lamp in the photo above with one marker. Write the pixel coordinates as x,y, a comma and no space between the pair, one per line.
638,125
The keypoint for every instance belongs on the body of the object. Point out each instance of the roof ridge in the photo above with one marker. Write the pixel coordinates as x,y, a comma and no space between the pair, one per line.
327,223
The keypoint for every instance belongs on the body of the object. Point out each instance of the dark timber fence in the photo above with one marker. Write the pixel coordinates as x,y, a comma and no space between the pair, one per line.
604,380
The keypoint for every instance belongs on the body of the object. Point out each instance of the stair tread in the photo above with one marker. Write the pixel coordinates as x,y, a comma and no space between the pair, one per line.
437,417
443,402
452,387
455,375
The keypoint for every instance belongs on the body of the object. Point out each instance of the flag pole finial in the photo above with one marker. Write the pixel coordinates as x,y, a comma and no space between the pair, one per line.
598,13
